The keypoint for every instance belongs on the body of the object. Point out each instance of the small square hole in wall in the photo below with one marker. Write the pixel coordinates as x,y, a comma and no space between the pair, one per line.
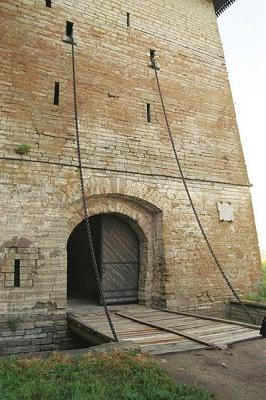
48,3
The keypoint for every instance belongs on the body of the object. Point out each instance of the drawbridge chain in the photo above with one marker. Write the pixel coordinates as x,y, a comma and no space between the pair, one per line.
84,201
225,277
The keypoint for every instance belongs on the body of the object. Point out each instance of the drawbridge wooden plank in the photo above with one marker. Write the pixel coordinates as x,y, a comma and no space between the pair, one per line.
214,331
237,336
173,348
183,323
88,332
160,331
154,341
129,330
177,332
186,324
193,327
180,325
251,326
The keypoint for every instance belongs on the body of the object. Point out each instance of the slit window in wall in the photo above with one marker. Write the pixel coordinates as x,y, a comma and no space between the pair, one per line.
148,109
69,29
128,20
56,93
152,55
48,3
17,273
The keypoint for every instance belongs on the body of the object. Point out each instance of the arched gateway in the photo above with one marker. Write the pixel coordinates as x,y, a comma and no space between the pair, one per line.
116,247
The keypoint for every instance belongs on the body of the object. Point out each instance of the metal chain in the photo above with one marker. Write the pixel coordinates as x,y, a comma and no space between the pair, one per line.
193,206
84,201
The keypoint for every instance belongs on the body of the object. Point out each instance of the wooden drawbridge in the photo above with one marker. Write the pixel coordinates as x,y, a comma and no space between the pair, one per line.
158,331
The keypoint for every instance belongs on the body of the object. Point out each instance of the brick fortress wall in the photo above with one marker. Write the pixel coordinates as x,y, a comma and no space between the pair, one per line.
128,163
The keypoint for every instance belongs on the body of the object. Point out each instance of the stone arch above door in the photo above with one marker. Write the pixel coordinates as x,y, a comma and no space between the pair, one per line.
146,220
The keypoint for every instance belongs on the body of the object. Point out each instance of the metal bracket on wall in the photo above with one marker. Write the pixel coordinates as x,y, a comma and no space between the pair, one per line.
67,39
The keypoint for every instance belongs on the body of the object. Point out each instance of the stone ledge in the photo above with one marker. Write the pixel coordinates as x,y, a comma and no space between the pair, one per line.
255,304
256,309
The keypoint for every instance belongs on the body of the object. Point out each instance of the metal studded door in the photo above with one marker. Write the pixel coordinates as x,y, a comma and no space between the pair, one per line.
119,260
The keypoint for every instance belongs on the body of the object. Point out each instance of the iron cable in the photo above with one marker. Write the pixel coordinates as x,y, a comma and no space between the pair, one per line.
225,277
85,203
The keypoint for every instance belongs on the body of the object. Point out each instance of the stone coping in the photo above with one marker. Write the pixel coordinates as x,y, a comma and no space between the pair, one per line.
255,304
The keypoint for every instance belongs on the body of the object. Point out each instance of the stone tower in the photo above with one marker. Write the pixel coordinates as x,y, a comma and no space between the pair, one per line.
132,182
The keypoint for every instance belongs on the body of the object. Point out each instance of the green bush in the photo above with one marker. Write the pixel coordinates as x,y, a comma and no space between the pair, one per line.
261,296
117,376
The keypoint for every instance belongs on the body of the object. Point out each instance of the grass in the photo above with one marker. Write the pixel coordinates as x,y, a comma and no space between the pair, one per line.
23,149
13,322
116,376
261,296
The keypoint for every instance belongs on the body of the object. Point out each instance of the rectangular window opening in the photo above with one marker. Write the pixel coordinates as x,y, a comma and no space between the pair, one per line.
56,93
69,29
16,273
152,54
148,112
48,3
128,20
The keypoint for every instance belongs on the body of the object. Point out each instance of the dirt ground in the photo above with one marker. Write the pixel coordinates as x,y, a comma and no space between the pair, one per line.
238,373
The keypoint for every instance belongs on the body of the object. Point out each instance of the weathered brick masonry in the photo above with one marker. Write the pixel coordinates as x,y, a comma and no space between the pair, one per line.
129,167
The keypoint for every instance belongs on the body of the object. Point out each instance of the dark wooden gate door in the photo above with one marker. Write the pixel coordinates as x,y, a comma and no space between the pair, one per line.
119,260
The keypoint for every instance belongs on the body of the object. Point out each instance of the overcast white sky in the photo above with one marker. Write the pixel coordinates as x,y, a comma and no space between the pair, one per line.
243,33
